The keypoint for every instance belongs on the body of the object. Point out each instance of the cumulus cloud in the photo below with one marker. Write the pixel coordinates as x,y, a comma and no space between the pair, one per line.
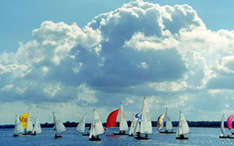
165,53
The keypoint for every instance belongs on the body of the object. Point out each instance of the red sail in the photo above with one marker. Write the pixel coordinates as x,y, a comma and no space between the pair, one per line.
111,120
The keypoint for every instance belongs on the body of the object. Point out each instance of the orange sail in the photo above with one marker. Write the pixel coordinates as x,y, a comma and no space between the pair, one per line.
111,120
24,120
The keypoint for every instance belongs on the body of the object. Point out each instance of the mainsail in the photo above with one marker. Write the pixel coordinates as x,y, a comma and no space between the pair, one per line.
96,126
37,127
81,126
18,126
169,126
123,122
146,124
222,126
183,127
59,127
29,128
133,124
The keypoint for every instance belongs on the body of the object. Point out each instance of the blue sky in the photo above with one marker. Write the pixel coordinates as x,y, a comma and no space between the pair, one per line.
71,56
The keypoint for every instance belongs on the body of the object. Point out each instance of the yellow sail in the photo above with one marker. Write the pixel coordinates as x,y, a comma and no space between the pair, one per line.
24,120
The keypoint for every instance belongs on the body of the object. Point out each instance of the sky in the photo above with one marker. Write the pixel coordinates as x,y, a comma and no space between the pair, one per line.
70,57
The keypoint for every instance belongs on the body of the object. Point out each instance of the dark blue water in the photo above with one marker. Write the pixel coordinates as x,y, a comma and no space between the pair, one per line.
198,137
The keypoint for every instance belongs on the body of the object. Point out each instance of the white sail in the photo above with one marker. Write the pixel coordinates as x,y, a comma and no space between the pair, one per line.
169,126
133,124
96,126
146,124
29,124
81,126
18,127
183,127
123,122
59,127
37,126
222,126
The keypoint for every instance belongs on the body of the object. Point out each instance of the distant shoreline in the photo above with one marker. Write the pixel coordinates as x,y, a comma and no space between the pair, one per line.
211,124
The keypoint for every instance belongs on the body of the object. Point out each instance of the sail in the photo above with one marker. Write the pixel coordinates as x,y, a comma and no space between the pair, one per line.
29,124
111,119
146,124
229,122
133,125
37,126
59,127
138,116
24,120
96,126
18,127
123,122
160,121
169,126
81,126
222,125
183,126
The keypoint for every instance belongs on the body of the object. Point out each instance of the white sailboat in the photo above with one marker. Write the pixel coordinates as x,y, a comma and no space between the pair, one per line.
145,124
183,127
123,126
222,130
59,127
18,127
36,127
133,125
81,126
96,127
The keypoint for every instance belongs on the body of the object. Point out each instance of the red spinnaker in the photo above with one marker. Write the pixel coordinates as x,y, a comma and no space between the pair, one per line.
111,119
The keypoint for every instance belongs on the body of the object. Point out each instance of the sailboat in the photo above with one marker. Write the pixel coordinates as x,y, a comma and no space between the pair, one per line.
81,126
229,125
37,127
133,125
59,127
144,124
96,127
18,127
168,129
111,121
183,128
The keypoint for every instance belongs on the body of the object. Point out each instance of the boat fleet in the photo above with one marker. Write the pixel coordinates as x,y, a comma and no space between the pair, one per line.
140,128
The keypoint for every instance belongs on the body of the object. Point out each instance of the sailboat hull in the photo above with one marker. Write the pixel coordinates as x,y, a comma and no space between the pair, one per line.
57,136
223,136
94,139
142,138
184,138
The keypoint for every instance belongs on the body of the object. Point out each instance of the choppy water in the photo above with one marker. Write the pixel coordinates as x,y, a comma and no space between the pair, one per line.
198,137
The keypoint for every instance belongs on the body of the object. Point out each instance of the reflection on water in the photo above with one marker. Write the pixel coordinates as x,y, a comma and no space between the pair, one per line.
198,136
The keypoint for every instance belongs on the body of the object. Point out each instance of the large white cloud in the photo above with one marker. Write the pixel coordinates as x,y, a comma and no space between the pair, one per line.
165,53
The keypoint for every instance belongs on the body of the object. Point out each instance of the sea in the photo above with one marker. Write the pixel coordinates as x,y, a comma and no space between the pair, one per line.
197,137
